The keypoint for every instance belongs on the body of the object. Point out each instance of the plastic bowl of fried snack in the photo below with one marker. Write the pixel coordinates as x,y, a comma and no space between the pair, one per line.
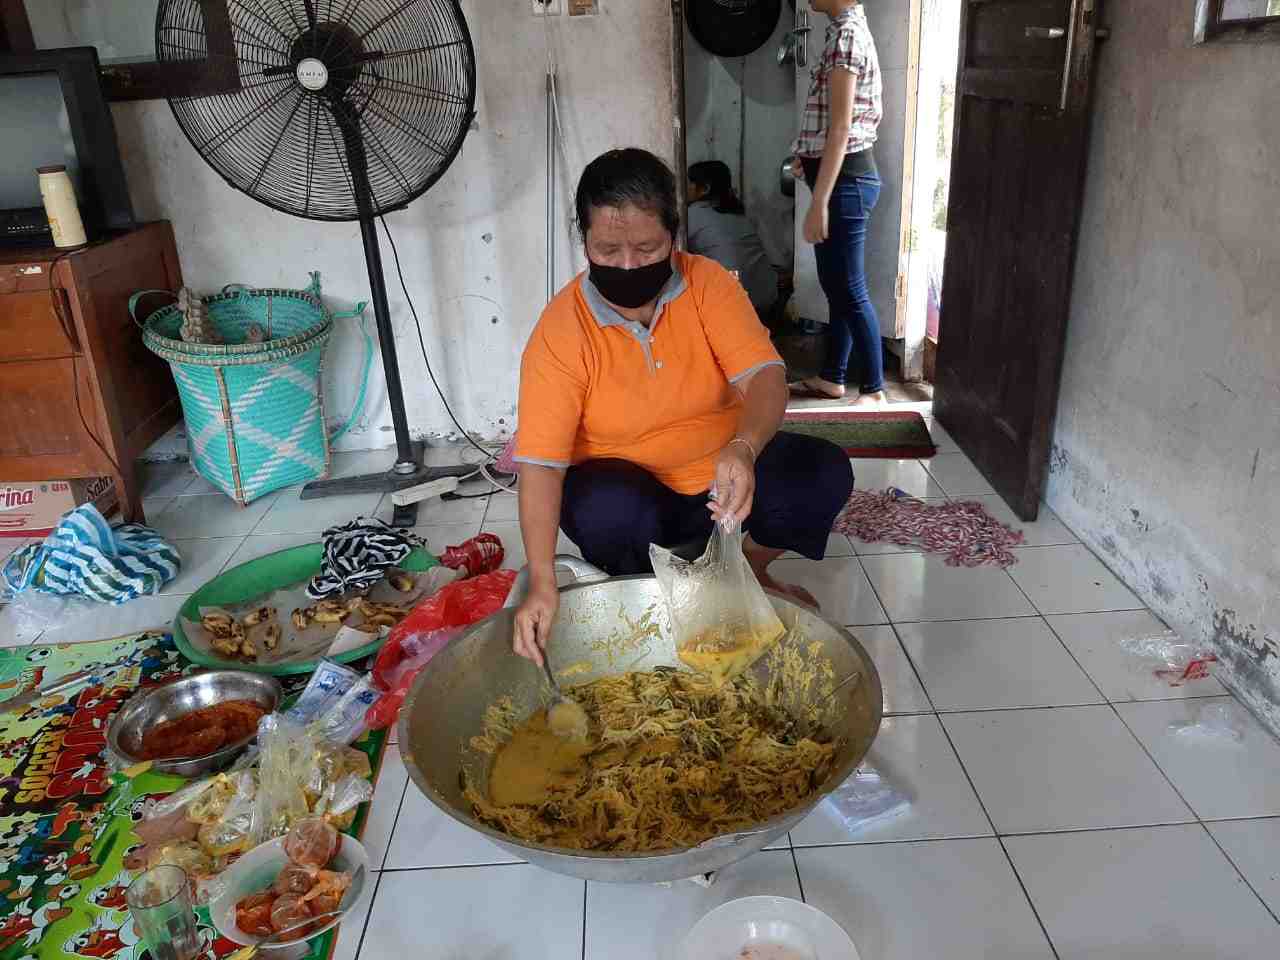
767,928
278,885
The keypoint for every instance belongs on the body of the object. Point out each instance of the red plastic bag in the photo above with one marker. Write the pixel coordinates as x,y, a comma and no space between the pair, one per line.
426,631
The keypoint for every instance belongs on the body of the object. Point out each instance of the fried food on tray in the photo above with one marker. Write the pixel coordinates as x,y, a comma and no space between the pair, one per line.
331,611
203,731
271,636
261,615
302,617
223,626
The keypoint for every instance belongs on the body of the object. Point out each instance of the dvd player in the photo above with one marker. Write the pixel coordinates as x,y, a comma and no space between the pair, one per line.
25,225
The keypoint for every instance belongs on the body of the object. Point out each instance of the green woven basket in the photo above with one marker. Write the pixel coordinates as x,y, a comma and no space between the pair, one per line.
254,411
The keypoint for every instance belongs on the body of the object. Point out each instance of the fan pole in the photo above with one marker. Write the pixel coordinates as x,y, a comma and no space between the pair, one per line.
408,470
406,459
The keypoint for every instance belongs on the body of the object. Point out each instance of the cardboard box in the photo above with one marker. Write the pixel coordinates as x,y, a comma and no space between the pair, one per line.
34,509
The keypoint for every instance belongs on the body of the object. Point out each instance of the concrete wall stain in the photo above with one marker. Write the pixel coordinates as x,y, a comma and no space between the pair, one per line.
1172,369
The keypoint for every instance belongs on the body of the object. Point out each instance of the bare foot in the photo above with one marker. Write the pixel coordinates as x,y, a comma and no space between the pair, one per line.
869,401
817,387
797,593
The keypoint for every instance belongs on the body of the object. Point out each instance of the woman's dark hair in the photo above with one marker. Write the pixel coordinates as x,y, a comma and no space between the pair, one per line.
630,176
715,176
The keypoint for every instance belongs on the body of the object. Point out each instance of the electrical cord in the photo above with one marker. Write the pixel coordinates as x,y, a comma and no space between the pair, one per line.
482,468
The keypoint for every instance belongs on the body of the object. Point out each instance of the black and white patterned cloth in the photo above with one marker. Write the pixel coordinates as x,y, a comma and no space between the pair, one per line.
358,554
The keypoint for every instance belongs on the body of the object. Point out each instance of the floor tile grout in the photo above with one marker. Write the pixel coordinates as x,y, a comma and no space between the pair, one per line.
1239,873
1005,850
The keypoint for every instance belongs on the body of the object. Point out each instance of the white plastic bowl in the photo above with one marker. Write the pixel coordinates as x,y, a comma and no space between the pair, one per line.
257,870
729,929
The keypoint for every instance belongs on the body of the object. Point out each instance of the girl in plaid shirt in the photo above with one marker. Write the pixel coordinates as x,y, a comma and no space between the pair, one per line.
834,154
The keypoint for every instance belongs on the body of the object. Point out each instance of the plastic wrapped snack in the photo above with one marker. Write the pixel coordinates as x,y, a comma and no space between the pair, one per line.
289,777
312,843
720,615
186,854
295,879
341,798
253,914
327,892
289,911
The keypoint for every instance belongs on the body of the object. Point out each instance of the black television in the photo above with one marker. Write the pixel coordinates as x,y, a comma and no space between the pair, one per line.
52,110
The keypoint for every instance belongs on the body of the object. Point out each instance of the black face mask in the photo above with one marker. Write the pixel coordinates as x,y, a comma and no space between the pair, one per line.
631,288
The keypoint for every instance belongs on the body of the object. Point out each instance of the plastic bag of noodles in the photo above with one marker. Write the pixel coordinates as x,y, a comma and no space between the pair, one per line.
720,615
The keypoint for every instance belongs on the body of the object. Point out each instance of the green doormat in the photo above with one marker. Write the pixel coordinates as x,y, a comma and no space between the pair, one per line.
889,436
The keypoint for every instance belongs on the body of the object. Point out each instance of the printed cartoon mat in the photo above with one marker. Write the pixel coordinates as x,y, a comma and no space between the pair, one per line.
66,826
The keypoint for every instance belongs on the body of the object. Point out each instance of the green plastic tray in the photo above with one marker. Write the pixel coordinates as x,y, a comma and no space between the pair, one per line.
257,577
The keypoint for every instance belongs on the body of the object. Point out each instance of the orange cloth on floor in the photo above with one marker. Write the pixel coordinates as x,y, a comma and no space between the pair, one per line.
594,385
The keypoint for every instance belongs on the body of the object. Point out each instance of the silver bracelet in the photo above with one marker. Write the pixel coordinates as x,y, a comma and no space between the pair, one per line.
746,443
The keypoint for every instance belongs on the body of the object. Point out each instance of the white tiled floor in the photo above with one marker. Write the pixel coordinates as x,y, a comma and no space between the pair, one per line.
1056,808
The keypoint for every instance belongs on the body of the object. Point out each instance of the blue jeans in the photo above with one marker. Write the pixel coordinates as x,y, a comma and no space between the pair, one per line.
854,330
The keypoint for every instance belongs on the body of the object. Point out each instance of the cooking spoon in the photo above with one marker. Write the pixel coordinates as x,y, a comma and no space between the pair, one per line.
565,717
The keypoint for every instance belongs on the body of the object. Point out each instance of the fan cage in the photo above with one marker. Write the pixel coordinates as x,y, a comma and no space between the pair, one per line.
402,73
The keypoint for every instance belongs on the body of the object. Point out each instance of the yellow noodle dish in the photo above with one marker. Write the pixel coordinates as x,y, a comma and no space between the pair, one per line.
671,759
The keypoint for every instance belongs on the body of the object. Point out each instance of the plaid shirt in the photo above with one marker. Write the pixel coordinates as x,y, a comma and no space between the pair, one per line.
850,47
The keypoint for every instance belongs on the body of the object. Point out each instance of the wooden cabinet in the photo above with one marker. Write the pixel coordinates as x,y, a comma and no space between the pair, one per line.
67,341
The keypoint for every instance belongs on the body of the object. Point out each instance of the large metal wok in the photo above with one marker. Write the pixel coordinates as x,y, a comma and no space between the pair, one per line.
602,624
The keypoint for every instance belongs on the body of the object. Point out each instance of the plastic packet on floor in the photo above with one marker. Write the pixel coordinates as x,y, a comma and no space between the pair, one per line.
32,613
1213,722
1173,660
867,798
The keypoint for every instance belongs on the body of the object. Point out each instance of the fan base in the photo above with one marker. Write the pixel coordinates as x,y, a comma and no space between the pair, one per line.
388,482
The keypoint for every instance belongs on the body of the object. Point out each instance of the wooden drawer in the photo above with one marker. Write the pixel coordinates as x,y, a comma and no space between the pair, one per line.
30,328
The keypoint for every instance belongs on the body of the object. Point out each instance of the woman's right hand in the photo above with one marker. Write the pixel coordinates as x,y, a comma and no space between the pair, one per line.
534,618
797,168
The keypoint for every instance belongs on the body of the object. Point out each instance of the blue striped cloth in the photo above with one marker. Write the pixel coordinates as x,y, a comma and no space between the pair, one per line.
86,556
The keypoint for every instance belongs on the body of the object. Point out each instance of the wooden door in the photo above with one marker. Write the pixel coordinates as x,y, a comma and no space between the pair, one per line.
1024,96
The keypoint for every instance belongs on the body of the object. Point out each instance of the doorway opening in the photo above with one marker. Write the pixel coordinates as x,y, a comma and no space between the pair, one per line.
931,99
743,111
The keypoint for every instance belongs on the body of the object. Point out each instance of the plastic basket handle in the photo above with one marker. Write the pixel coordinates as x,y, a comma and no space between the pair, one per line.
239,289
133,302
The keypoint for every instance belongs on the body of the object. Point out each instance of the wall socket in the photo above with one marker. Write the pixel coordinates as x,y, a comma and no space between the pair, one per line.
546,8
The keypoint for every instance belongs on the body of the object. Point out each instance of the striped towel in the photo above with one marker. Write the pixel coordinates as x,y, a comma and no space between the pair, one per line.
86,556
358,554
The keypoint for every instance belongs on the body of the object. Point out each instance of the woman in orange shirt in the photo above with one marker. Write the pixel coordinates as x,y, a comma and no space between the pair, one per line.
649,381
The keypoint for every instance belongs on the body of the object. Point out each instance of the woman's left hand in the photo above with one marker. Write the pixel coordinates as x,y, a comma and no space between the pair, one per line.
735,483
815,223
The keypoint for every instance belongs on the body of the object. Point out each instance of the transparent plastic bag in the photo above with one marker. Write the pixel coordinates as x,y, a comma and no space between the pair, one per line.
289,776
720,615
867,798
32,613
1172,660
1213,722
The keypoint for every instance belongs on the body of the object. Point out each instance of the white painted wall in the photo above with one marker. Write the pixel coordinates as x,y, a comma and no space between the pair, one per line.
473,248
1167,447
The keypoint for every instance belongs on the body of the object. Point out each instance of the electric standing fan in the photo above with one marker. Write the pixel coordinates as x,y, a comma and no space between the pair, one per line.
345,109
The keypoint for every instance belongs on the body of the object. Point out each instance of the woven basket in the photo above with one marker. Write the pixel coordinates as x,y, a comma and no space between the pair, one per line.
254,411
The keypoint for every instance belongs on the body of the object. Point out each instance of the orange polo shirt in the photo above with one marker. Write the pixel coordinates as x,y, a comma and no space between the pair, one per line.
594,385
